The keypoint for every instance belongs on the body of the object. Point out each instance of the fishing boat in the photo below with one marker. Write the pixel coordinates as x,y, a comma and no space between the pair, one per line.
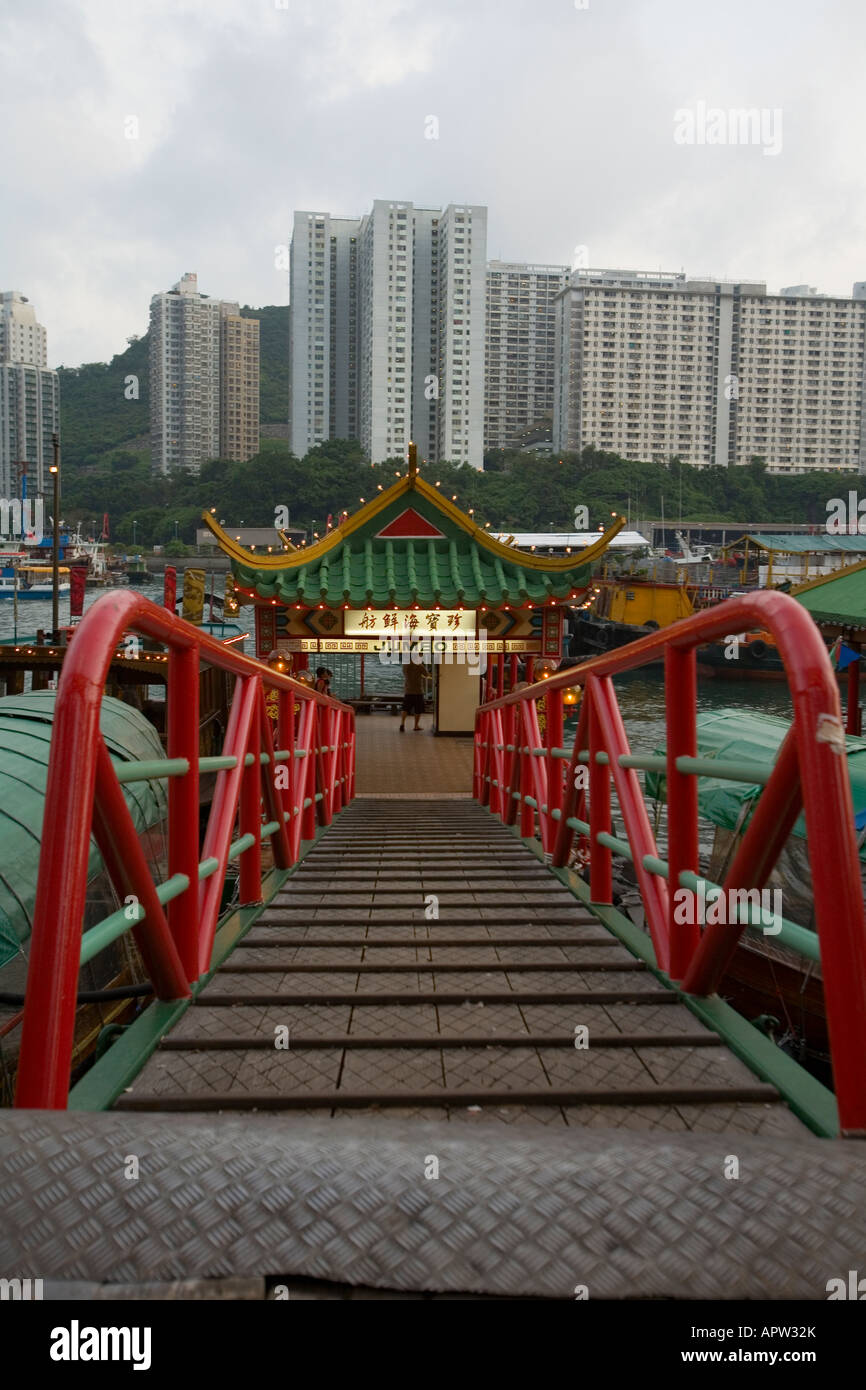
136,571
742,656
33,582
621,611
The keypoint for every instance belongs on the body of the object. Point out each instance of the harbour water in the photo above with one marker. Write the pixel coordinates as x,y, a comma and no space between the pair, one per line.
640,694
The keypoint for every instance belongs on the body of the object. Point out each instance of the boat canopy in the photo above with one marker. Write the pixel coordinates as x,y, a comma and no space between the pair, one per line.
820,543
737,735
25,737
837,600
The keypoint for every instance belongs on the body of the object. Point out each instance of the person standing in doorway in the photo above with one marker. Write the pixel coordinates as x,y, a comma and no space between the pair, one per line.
414,675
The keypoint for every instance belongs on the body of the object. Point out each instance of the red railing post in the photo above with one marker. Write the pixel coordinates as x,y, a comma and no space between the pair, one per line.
820,769
773,820
182,741
309,738
274,799
481,759
510,723
524,767
323,758
123,856
553,736
634,814
600,869
575,798
176,945
223,813
681,716
337,761
250,885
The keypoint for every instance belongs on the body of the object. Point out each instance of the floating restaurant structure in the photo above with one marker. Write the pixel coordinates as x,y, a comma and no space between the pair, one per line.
412,566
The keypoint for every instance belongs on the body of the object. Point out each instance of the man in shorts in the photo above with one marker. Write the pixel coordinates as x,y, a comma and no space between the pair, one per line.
414,673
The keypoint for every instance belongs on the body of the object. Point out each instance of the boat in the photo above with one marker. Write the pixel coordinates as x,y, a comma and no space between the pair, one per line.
33,582
742,656
136,571
624,610
92,554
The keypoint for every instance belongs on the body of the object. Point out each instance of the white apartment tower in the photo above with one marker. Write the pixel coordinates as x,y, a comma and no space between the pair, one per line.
184,378
520,350
387,323
29,398
652,366
323,316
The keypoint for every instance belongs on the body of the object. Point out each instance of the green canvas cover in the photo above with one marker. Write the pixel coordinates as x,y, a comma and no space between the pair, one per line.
742,736
25,736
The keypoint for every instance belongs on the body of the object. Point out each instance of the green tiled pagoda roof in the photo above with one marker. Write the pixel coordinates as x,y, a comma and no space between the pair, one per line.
382,572
409,545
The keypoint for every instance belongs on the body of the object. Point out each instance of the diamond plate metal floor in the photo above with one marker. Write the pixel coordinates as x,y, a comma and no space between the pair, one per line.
514,1212
422,961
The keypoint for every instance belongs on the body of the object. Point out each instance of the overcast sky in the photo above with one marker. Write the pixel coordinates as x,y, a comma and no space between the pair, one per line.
560,119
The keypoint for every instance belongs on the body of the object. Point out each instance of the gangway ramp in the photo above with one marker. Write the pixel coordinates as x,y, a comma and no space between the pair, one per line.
422,960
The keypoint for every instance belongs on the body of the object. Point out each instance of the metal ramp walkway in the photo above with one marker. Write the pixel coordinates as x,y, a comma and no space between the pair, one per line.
623,1132
421,960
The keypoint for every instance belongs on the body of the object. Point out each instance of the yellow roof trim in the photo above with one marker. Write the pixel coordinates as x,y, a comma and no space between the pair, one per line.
305,555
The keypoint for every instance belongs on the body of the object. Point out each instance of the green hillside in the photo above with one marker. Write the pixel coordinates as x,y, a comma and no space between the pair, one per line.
274,360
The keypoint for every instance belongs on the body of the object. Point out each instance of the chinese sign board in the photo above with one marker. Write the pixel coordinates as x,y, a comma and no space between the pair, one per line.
361,622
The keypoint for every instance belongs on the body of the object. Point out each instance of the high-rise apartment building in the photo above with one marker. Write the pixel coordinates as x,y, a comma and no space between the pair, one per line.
653,366
239,385
520,350
184,378
387,330
204,380
22,338
29,399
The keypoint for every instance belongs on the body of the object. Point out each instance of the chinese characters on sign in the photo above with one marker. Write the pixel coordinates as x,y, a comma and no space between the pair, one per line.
359,622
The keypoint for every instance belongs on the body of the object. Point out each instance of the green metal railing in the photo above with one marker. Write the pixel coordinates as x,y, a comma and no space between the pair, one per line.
117,923
797,938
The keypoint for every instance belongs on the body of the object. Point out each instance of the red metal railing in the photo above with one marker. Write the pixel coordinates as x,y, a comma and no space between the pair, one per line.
517,772
316,741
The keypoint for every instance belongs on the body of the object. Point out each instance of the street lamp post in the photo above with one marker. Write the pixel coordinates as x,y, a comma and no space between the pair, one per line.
175,530
134,525
55,540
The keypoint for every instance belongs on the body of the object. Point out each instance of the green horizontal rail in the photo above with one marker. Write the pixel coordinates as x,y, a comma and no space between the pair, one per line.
148,770
96,938
798,938
791,934
728,769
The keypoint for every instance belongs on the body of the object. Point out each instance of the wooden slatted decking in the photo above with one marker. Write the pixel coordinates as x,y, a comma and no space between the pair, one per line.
391,1008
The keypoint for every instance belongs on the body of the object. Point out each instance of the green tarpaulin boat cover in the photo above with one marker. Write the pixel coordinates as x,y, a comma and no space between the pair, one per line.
25,736
741,736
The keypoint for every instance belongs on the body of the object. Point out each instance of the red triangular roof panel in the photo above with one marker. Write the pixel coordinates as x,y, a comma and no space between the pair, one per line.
410,525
